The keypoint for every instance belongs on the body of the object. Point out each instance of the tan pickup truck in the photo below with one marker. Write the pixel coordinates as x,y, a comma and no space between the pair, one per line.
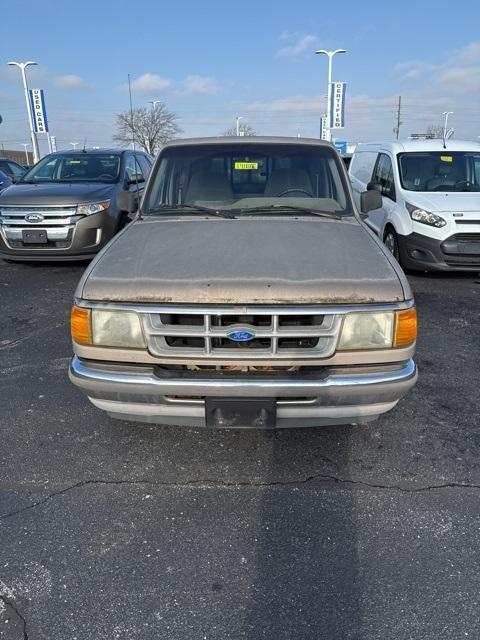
247,292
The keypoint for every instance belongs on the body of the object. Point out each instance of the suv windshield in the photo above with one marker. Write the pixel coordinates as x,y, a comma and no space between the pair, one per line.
244,177
440,171
77,167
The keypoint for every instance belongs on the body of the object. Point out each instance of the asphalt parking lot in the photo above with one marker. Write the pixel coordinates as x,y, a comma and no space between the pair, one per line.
112,530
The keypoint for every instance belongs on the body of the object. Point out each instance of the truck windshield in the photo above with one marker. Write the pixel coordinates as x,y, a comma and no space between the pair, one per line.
440,171
239,177
77,167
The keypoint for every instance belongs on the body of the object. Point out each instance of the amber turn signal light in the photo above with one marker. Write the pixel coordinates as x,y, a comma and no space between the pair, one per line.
80,325
405,328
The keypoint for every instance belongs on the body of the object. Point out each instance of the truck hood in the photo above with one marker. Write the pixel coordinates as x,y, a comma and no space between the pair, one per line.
440,202
243,261
55,193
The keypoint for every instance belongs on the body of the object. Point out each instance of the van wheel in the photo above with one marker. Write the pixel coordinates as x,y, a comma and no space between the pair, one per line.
390,240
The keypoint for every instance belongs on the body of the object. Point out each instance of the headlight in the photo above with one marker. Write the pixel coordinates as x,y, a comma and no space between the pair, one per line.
367,331
92,207
381,330
426,217
116,329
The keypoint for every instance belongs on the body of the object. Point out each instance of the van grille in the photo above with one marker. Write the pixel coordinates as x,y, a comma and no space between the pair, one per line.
205,334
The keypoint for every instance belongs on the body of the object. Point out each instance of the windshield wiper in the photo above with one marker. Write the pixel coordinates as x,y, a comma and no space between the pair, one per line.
290,207
190,207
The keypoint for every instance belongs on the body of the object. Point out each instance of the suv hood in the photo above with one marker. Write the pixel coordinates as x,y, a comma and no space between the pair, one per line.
244,261
441,202
55,193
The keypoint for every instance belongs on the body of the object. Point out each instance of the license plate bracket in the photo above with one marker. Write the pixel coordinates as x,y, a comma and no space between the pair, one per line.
240,413
34,236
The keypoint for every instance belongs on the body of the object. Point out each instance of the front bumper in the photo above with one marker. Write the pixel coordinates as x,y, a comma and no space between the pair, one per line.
459,252
78,240
337,395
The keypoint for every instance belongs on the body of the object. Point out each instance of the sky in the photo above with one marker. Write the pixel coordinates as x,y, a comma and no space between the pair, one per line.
213,60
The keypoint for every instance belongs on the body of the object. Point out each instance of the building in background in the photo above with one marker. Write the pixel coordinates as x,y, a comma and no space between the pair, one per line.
17,155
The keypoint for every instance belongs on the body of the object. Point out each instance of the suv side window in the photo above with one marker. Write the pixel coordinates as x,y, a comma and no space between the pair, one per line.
144,164
383,175
132,167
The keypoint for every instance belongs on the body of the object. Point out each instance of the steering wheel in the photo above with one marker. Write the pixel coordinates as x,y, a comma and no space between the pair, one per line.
465,183
105,175
297,190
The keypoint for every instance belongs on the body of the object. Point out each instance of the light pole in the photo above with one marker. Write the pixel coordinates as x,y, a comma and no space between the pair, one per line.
446,114
22,66
237,124
25,145
330,55
74,145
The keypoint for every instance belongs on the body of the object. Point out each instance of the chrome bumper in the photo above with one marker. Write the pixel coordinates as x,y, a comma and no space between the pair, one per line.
177,397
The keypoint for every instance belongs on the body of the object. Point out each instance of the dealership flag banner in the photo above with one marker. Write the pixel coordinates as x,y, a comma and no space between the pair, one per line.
323,127
337,105
39,113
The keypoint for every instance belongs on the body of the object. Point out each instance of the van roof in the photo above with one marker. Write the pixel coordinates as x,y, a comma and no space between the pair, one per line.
399,146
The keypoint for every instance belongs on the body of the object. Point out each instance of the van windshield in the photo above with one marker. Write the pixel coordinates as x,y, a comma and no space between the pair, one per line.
440,171
75,167
241,177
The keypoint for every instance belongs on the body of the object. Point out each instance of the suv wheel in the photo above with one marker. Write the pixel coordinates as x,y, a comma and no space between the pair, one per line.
390,240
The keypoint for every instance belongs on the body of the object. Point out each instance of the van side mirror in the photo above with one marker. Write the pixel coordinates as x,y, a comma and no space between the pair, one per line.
127,201
374,186
370,200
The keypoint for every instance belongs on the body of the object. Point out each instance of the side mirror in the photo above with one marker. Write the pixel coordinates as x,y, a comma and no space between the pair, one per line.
370,200
374,186
135,178
127,201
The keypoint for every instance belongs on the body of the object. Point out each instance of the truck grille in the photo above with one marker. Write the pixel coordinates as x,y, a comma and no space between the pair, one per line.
204,334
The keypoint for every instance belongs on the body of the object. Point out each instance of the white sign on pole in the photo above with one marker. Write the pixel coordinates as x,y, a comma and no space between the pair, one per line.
39,113
323,127
337,105
53,142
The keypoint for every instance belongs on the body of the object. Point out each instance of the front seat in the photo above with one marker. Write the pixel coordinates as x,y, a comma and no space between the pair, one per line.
294,181
205,186
445,176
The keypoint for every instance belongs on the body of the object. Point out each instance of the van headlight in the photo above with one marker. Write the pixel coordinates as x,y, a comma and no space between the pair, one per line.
92,207
379,330
116,329
425,217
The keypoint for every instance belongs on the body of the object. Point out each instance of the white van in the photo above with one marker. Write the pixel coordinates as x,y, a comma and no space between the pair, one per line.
430,216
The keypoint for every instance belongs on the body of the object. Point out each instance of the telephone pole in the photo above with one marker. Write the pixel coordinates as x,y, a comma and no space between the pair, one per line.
396,130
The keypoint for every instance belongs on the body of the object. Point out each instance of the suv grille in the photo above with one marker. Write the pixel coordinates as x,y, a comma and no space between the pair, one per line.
57,220
204,334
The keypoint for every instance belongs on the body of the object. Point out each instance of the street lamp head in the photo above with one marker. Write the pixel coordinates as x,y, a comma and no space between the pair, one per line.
22,64
331,53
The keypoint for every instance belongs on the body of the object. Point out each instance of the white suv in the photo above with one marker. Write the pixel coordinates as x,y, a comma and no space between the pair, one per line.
430,214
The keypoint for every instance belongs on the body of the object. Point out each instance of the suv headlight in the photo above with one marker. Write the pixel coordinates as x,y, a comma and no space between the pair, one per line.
379,330
92,207
103,328
426,217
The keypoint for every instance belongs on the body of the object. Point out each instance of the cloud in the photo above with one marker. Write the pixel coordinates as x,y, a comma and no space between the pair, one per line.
298,44
200,85
414,69
460,80
468,54
69,81
150,83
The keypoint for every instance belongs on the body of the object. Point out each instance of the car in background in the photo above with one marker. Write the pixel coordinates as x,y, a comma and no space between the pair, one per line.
64,207
5,181
430,213
14,170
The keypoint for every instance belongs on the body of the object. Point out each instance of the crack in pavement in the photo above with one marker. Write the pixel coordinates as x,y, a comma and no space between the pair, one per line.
9,605
209,484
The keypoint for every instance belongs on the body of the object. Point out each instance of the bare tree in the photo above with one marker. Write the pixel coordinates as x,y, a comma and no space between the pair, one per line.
244,129
435,130
149,128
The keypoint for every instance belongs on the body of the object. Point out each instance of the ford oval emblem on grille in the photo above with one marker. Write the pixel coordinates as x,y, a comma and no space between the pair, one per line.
241,335
34,217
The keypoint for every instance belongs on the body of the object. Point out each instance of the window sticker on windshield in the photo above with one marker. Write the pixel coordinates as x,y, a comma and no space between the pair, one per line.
74,161
446,158
248,166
